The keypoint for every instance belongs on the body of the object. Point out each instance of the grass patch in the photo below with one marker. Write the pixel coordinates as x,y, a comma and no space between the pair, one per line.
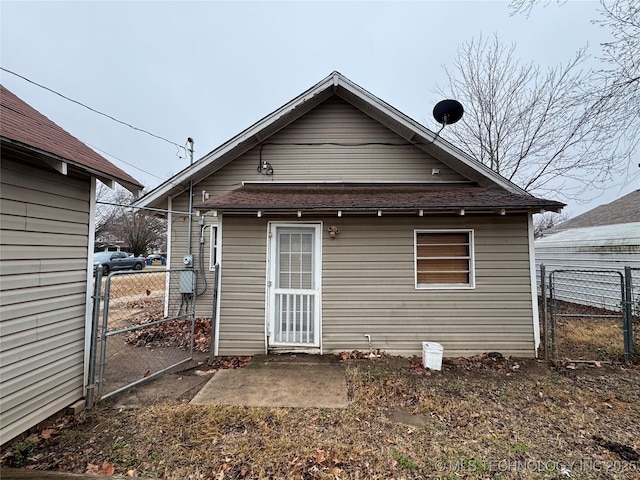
403,460
589,337
20,453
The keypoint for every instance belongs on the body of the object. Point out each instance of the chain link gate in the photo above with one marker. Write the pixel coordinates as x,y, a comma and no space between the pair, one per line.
588,315
143,326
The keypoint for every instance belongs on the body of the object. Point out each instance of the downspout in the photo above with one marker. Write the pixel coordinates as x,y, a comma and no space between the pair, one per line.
534,287
214,316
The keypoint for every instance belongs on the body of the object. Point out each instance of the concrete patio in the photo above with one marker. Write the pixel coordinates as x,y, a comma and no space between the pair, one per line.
279,381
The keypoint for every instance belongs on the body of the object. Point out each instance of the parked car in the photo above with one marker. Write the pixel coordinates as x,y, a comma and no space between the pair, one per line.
112,261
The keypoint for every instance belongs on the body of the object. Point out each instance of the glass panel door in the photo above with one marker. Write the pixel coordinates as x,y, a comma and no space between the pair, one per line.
295,287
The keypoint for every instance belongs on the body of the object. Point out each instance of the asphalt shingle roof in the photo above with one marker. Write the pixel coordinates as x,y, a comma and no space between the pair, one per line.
623,210
269,196
23,124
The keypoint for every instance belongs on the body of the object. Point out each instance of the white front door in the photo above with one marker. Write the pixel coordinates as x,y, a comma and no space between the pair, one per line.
294,285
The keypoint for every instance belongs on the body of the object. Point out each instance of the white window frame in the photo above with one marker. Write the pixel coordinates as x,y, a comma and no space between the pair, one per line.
213,247
446,286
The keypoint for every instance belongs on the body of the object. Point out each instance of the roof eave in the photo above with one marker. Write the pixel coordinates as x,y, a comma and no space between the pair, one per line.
380,211
50,158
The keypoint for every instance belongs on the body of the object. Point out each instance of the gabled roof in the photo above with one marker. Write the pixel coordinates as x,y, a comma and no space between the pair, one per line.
334,84
23,128
388,198
625,209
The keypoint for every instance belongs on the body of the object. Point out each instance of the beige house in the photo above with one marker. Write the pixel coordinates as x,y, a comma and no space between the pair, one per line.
339,223
47,205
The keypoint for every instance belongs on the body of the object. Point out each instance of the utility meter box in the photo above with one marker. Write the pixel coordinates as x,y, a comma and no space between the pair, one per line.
187,261
187,281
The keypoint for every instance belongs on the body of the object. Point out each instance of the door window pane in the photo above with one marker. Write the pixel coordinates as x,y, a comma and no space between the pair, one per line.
295,265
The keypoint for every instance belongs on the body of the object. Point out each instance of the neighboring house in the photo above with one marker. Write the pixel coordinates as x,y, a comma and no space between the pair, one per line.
47,204
339,223
606,237
108,241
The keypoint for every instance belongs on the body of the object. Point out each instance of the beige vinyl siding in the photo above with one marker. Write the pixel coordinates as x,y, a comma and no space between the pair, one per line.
368,287
179,248
44,228
243,274
368,284
179,228
334,121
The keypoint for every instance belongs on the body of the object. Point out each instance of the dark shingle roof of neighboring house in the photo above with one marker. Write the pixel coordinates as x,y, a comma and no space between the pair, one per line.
23,126
344,196
623,210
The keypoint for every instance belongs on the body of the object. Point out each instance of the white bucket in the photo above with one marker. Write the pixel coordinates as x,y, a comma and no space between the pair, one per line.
432,355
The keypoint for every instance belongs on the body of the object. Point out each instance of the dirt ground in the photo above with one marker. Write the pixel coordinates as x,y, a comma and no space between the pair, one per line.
482,418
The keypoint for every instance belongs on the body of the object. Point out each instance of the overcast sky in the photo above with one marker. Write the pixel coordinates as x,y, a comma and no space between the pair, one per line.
208,70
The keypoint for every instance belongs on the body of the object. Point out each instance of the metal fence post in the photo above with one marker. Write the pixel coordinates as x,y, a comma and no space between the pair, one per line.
543,292
103,336
552,309
95,318
627,305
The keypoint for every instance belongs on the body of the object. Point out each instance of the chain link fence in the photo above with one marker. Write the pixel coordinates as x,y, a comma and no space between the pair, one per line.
587,315
633,287
143,324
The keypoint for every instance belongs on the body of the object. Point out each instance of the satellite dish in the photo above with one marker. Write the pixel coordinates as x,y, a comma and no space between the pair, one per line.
447,112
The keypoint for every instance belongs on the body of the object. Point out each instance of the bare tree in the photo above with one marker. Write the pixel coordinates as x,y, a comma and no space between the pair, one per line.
116,223
109,206
525,6
543,222
533,126
614,90
618,84
142,232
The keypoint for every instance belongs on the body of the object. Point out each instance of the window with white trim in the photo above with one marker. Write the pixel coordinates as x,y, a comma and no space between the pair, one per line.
444,259
213,248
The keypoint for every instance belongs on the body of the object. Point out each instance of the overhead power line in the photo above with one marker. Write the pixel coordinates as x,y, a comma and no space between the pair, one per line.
125,162
94,110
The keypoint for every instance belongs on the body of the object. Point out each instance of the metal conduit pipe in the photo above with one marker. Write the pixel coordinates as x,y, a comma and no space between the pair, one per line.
189,234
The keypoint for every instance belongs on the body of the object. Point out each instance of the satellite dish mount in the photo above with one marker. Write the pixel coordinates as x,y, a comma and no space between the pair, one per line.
447,112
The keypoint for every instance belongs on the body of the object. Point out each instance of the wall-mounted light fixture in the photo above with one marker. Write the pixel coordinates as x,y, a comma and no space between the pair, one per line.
265,168
333,231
